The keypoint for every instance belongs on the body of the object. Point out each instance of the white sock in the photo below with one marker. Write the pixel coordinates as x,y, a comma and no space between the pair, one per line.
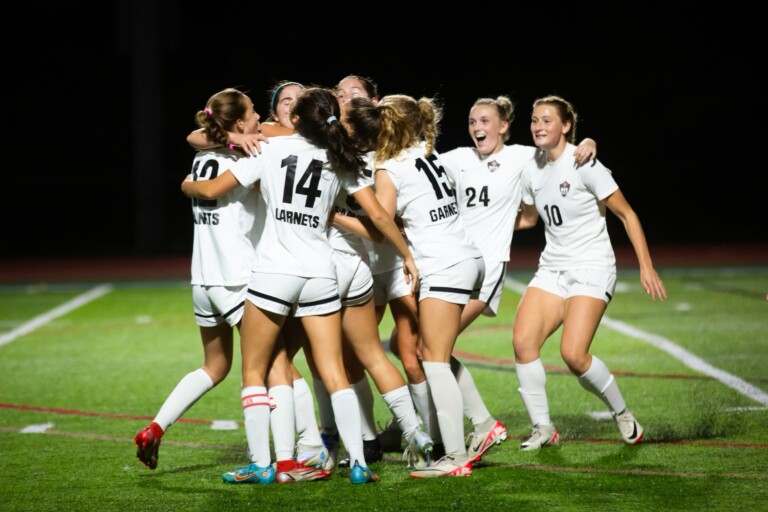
304,410
365,398
599,381
188,391
282,421
324,406
347,411
425,406
256,410
533,381
448,402
401,404
474,407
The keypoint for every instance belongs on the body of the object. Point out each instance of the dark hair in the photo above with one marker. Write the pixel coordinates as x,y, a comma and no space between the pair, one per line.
371,89
364,120
318,115
564,109
221,112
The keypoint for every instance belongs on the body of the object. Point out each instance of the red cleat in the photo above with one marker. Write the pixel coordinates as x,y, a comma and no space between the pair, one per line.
148,443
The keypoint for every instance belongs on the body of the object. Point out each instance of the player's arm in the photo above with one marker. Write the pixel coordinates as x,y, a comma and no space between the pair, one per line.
360,226
527,217
249,142
650,280
209,189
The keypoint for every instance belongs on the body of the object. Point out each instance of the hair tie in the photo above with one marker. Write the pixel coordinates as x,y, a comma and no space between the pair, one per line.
331,119
208,111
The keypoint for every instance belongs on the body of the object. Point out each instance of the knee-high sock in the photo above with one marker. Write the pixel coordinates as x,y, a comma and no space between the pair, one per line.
347,411
474,407
188,391
448,402
425,407
256,410
365,398
533,380
283,421
304,409
324,407
401,404
599,381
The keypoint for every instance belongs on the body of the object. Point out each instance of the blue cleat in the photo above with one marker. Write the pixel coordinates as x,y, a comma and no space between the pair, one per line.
250,474
362,475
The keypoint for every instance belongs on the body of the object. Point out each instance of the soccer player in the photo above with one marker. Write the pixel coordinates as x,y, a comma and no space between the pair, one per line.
226,230
411,183
576,278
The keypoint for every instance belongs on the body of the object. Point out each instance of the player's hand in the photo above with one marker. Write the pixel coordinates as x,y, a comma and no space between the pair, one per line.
585,152
249,142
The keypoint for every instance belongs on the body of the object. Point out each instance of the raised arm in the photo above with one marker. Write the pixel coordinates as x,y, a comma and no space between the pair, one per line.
250,142
648,277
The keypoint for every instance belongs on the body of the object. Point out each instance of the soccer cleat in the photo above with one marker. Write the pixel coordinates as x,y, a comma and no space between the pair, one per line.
250,474
391,438
371,451
450,465
630,429
148,442
311,455
298,472
331,443
418,453
478,443
542,435
362,475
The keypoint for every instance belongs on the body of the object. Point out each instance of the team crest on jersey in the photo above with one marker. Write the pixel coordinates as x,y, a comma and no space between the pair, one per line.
493,165
564,188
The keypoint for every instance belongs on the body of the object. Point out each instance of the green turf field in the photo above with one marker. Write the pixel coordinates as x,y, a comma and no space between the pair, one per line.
84,366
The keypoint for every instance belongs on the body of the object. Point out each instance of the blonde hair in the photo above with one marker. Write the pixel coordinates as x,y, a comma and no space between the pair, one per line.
406,122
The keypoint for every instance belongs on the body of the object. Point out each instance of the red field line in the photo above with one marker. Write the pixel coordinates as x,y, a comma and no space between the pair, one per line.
178,266
75,412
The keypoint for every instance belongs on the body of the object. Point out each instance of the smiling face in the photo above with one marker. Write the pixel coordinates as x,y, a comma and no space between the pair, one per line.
285,98
547,128
350,88
250,122
487,129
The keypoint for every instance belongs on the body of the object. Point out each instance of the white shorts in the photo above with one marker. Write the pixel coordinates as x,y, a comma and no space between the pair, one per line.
283,293
596,283
389,286
217,304
456,284
493,285
354,278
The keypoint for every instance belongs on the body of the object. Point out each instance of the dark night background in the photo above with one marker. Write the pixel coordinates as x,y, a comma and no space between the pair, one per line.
98,101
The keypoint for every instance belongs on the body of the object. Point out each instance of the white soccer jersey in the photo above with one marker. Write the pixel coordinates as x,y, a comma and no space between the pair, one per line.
340,239
226,229
488,194
427,205
568,199
299,190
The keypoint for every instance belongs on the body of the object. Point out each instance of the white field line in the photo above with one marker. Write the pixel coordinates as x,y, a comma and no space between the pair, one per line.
676,351
56,312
